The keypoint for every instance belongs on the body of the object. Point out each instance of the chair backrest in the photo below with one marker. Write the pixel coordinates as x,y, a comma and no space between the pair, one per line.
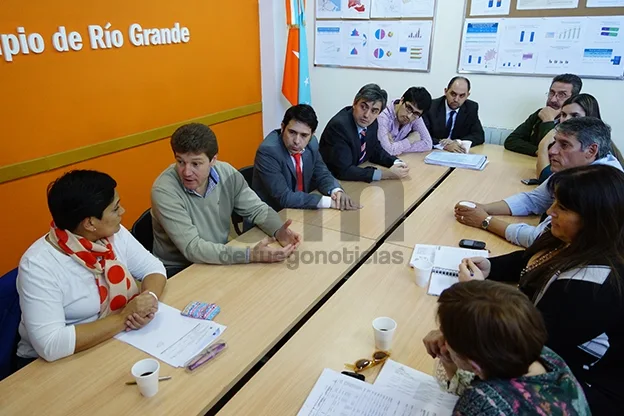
247,173
10,315
142,230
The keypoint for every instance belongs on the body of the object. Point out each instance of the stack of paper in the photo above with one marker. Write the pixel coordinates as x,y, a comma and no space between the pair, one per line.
457,160
173,338
398,390
445,262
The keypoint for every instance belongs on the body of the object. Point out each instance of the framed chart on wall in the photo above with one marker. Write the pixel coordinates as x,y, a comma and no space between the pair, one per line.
374,34
543,38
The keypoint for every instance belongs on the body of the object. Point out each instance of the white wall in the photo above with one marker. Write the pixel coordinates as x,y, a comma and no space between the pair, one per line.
504,101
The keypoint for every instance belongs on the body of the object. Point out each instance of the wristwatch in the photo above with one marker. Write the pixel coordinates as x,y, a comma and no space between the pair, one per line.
486,222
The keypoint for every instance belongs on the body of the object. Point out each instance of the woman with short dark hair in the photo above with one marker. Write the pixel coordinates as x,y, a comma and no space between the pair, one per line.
493,355
77,283
574,275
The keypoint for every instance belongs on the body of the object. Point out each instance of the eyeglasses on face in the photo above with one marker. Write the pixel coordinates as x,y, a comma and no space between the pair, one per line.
411,111
365,363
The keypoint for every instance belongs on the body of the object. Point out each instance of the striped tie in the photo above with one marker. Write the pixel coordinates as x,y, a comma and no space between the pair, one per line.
363,145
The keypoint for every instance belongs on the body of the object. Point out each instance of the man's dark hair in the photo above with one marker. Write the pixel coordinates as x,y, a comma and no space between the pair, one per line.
79,194
372,92
574,80
419,97
302,113
458,78
195,138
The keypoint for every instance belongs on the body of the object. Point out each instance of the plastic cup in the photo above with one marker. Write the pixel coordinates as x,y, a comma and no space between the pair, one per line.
422,271
384,328
145,373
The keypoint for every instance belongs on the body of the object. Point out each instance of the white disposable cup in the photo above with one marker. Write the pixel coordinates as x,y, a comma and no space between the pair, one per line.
465,144
384,328
422,271
148,384
467,204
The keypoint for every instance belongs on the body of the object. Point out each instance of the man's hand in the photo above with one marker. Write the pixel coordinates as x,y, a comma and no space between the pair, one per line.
286,236
547,114
264,253
343,202
472,217
398,171
413,137
452,146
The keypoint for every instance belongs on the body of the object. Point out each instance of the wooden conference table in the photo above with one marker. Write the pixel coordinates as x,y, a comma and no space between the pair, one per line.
341,332
260,304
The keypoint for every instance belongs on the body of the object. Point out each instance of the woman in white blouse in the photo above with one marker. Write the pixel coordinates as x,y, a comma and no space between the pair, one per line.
77,283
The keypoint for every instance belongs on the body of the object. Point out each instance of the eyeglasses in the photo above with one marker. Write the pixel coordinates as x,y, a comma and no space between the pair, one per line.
365,363
561,95
411,111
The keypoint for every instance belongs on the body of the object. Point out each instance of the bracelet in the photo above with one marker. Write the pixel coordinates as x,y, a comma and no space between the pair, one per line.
153,294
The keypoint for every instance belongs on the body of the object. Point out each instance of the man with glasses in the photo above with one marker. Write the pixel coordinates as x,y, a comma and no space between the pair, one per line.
453,117
350,139
526,137
401,128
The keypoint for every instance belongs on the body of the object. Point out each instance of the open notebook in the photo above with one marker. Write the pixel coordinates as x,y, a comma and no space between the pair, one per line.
457,160
445,264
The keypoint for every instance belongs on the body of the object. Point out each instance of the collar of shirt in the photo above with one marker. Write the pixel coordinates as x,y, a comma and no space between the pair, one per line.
360,129
213,180
449,109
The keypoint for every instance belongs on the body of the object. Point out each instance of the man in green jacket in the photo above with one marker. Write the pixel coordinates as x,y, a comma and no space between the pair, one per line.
526,137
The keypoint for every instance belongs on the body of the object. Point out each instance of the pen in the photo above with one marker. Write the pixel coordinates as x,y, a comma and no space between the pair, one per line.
208,355
163,378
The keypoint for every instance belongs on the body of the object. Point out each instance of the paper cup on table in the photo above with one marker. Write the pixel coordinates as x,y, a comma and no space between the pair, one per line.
145,373
422,271
465,144
384,328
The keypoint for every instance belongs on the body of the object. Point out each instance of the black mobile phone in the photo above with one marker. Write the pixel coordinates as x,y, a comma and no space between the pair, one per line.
530,181
354,375
473,244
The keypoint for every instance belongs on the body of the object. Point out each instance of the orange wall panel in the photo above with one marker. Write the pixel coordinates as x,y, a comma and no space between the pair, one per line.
24,211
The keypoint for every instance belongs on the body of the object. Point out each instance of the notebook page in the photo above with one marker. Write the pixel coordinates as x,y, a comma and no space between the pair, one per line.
450,257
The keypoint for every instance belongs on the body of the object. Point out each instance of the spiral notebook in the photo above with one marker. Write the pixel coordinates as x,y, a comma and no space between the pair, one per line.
445,264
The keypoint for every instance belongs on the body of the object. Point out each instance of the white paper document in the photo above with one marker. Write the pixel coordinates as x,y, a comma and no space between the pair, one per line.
445,262
479,48
489,7
546,4
328,43
329,9
335,394
173,338
605,3
401,379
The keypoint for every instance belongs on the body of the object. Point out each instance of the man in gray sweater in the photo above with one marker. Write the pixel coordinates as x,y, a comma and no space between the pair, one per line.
192,203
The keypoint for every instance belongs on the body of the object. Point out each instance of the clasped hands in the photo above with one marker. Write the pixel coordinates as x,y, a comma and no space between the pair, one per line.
140,311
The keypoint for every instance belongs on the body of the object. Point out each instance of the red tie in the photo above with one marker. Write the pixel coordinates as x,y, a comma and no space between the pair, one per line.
297,157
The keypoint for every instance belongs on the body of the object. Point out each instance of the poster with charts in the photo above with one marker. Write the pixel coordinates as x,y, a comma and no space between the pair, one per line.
480,43
605,3
518,47
383,44
603,47
329,9
355,39
489,7
355,9
561,47
328,42
402,8
414,42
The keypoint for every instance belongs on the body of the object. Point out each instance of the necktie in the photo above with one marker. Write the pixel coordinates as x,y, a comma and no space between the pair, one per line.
449,124
297,157
363,145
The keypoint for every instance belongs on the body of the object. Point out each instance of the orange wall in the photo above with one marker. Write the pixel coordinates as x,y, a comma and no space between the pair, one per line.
54,102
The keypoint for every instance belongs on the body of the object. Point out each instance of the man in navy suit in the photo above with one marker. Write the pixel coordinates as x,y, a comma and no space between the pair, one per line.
288,167
350,139
454,117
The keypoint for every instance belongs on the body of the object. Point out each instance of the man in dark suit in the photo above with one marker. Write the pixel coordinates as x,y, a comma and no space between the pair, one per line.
288,167
454,117
350,139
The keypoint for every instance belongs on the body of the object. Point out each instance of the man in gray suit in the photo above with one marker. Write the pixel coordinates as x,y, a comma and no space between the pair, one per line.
288,167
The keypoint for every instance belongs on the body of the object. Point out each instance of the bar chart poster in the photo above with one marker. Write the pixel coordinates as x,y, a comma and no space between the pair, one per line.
561,46
414,41
518,48
490,7
603,46
479,49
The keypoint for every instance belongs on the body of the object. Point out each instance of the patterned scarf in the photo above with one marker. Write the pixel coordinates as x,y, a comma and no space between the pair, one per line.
116,285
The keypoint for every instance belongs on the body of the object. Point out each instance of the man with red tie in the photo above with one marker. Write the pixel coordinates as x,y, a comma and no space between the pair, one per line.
350,139
288,167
